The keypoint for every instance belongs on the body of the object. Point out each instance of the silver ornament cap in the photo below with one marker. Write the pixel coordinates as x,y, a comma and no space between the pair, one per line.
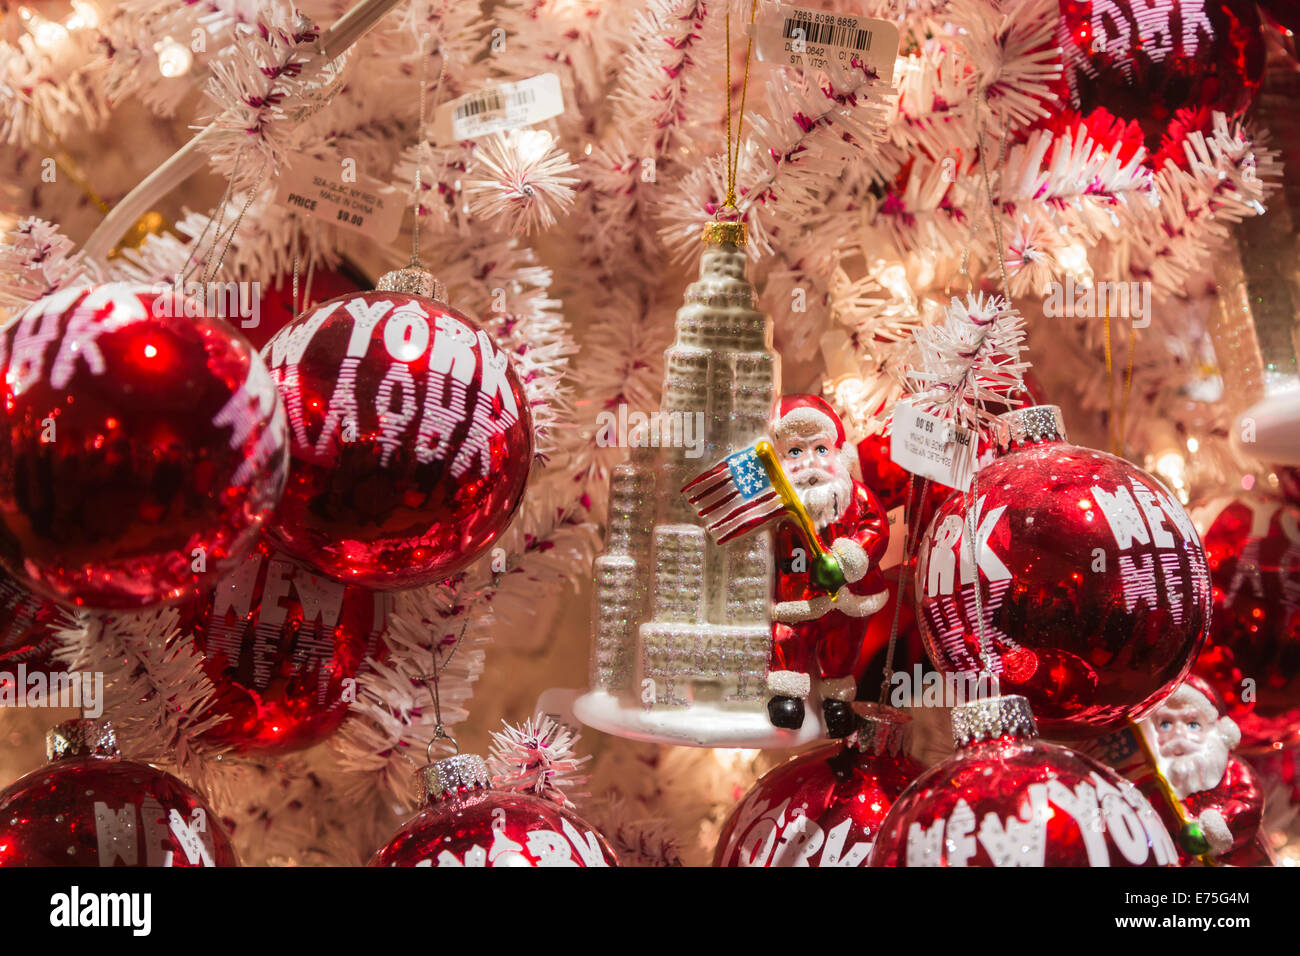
881,730
453,774
83,737
1024,426
413,279
992,717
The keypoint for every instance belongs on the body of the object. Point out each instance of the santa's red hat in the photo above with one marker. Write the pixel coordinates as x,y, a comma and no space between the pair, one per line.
807,415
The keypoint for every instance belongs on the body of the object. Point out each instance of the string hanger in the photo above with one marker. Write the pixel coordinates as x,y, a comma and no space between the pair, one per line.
733,141
430,680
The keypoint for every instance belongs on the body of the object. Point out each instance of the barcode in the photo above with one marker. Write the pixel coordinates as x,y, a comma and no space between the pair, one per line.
840,35
492,101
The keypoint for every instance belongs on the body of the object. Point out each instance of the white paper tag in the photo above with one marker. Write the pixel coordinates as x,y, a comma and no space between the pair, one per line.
893,555
508,106
928,446
331,192
813,39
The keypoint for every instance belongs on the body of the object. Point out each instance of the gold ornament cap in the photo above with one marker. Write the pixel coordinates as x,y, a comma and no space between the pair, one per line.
413,279
881,730
81,738
1008,715
719,233
453,774
1024,426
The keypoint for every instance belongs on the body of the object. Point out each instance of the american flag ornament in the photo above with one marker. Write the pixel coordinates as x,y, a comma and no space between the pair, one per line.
735,496
746,491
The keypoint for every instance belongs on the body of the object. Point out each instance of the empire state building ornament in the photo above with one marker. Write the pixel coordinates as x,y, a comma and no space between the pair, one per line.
682,624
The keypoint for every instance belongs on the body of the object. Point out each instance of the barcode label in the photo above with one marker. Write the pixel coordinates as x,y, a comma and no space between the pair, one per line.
850,37
508,106
484,101
815,39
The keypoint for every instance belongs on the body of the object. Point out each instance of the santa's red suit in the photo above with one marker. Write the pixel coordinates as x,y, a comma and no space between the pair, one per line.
1229,815
813,634
1228,810
817,636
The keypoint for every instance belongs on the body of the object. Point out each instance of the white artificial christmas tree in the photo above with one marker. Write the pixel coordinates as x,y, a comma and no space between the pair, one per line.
570,241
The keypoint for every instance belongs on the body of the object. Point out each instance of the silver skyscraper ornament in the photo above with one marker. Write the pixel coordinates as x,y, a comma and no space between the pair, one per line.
681,629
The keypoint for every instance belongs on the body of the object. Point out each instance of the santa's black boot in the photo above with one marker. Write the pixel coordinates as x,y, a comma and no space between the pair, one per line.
839,717
785,712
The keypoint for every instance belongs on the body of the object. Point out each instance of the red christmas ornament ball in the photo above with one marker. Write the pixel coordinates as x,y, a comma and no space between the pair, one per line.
1252,658
283,645
825,806
142,445
1093,579
1007,798
89,807
1145,60
466,822
410,434
889,481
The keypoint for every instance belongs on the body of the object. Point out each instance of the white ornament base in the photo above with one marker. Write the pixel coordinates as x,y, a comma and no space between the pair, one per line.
699,725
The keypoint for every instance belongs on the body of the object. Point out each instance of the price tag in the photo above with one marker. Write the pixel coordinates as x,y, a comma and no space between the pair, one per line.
508,106
326,190
893,555
813,39
928,446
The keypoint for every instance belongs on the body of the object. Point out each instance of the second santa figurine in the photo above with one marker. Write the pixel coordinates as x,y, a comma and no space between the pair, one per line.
817,636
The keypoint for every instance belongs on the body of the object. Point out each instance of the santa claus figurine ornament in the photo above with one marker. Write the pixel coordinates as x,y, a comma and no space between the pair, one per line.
816,635
1181,758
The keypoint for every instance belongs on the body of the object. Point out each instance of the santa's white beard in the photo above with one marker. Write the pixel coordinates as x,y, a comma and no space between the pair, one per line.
828,499
1203,770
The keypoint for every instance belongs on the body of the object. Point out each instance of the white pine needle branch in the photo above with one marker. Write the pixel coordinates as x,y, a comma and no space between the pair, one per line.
537,757
520,179
969,359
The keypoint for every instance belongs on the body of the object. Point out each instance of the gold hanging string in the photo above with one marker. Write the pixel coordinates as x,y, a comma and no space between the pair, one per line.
419,139
733,143
229,237
297,239
1110,378
1118,423
1128,388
